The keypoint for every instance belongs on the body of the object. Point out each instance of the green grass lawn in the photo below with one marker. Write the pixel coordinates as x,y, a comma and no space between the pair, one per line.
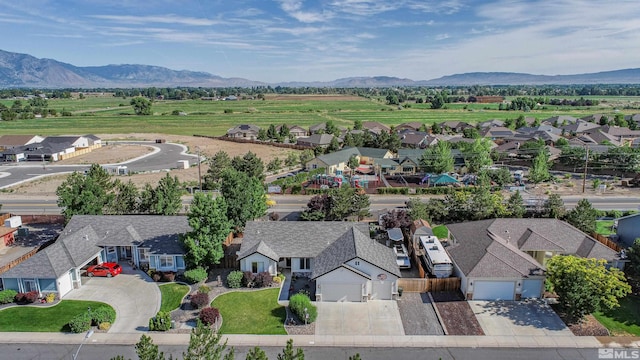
441,232
255,312
604,227
624,320
172,295
51,319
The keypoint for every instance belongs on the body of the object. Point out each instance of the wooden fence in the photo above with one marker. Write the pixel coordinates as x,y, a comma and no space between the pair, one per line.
429,284
249,141
19,260
605,241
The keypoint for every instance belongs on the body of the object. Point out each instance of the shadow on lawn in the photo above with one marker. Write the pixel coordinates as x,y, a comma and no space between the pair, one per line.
628,313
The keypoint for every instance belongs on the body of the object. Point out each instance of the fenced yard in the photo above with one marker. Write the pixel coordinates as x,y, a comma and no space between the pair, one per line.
429,284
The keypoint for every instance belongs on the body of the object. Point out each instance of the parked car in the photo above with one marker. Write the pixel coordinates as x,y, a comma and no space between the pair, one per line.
107,269
402,256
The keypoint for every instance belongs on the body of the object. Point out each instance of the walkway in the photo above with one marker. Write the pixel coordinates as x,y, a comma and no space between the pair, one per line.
134,296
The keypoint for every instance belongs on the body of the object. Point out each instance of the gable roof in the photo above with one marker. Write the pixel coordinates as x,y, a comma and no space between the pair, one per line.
244,128
329,243
17,140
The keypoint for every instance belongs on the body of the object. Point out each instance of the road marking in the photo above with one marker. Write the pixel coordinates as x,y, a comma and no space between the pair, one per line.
4,174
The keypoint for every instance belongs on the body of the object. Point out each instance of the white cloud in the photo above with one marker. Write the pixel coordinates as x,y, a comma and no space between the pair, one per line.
164,19
293,8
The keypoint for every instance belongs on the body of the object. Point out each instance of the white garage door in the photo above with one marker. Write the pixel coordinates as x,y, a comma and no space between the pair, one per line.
342,292
494,290
381,290
531,288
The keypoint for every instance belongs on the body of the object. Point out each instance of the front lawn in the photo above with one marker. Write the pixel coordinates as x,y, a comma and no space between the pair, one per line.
255,312
39,319
624,320
441,232
172,295
605,227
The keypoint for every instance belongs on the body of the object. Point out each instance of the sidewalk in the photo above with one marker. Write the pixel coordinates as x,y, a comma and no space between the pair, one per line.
330,341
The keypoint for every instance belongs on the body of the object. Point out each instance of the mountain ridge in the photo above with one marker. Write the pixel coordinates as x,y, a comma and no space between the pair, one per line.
24,70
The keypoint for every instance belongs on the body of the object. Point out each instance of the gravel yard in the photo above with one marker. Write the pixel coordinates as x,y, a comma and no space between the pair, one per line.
456,314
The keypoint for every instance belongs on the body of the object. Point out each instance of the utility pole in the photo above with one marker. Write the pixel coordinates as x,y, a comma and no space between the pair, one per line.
586,163
199,171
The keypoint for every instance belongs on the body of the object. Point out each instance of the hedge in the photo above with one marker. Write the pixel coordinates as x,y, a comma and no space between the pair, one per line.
297,304
196,275
80,323
160,322
234,279
103,314
7,296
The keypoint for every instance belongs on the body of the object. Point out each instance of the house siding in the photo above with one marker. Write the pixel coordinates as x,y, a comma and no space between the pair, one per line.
628,230
269,265
341,276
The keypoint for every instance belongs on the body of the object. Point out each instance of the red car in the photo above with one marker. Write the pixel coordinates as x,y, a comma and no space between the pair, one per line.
107,269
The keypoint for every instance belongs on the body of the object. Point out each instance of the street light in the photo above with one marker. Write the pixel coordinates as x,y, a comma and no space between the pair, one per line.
199,171
88,335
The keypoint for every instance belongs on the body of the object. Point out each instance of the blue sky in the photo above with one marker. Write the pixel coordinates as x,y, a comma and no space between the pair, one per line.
321,40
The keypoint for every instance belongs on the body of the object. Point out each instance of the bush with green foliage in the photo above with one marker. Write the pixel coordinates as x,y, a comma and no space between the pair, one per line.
209,315
7,296
204,289
196,275
80,323
199,300
103,314
234,279
160,322
299,302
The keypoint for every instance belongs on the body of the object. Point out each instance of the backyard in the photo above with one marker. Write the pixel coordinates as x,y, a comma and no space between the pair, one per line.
172,295
253,312
44,319
605,227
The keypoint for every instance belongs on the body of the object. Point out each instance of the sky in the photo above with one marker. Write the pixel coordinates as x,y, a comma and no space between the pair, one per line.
321,40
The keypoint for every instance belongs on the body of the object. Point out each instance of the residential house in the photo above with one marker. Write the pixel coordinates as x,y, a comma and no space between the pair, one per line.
453,126
504,259
7,236
496,132
560,120
143,240
408,161
244,131
628,229
317,140
375,127
490,123
346,264
294,130
335,163
540,130
13,141
633,117
579,127
622,134
413,139
413,126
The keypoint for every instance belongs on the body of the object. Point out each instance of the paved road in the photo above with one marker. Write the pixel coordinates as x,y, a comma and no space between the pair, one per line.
26,351
164,156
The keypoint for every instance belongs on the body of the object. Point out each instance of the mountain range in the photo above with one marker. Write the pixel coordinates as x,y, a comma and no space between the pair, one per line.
25,71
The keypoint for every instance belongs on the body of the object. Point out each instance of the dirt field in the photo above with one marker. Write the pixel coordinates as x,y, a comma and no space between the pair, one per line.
112,153
316,97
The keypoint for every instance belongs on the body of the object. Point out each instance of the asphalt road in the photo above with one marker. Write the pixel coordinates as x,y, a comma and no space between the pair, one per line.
91,351
164,156
294,203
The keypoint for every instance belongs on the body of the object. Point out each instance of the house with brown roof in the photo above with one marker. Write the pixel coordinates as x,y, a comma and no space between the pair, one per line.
504,259
413,125
375,127
244,131
13,141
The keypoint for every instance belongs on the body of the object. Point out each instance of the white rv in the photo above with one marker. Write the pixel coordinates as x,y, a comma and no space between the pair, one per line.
435,257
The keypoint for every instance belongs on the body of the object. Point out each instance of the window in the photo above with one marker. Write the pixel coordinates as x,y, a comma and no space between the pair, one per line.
29,285
111,249
357,263
166,261
314,166
287,262
305,264
144,254
407,169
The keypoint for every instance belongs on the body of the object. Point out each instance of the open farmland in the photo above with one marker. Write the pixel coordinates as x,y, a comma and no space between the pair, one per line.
106,114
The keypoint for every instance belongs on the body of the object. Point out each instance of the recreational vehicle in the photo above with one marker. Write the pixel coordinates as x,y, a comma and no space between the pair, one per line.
435,257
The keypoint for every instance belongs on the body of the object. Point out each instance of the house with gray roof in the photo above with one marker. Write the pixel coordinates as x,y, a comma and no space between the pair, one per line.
244,131
346,264
151,241
504,259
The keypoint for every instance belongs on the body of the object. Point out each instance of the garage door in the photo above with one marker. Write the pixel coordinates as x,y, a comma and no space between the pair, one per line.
531,288
342,292
494,290
381,290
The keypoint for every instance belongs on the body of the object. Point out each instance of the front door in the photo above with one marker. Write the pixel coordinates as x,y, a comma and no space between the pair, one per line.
125,252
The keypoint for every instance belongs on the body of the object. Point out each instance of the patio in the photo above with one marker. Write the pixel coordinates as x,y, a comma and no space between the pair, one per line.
296,282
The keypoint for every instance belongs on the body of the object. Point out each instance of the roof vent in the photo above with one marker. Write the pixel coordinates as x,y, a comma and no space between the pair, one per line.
86,237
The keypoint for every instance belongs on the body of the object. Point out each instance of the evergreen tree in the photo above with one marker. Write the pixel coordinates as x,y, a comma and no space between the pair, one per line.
437,159
539,171
515,206
583,217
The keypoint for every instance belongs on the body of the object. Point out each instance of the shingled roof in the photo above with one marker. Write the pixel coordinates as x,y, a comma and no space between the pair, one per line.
330,244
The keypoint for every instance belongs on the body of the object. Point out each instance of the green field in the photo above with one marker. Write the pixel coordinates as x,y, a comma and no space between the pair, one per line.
107,114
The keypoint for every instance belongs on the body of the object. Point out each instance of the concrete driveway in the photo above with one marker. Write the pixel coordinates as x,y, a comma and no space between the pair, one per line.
134,296
376,317
513,318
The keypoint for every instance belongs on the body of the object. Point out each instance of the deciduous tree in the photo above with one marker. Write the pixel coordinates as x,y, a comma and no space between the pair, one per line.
245,197
217,165
437,159
585,285
539,171
86,194
209,228
142,106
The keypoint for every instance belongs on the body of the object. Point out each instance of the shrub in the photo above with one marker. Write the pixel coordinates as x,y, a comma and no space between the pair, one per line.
104,326
199,300
27,297
263,279
196,275
209,315
297,304
103,314
7,296
248,278
51,297
277,280
156,275
168,276
234,279
160,322
204,289
80,323
281,276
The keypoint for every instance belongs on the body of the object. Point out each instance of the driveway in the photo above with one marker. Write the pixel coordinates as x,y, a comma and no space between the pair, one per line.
418,315
376,317
134,296
523,318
